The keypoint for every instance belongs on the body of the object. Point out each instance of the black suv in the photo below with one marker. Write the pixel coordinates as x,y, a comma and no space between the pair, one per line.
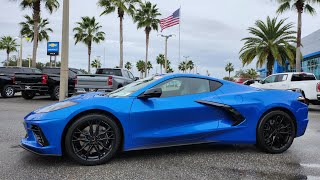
7,86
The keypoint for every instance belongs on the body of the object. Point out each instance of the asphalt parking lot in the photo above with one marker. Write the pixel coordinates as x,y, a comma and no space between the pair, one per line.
302,161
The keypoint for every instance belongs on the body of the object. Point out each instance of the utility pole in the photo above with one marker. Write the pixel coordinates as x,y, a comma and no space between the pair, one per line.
166,51
65,52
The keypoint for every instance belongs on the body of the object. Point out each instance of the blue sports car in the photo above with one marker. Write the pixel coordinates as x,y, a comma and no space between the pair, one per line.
168,110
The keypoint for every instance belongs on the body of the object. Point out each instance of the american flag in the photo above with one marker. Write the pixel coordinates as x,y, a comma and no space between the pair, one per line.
170,21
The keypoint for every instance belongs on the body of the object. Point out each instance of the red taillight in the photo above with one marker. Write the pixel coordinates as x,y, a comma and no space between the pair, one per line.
110,81
44,78
76,81
318,87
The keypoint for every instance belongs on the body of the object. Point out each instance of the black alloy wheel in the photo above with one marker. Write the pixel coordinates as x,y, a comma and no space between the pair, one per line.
276,132
93,139
8,91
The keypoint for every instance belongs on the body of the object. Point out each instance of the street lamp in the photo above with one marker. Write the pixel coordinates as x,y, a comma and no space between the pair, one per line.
65,52
166,50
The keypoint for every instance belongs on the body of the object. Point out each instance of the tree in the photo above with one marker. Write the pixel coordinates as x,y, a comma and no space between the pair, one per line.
183,66
128,66
190,65
35,5
252,73
269,42
170,70
146,17
96,63
87,32
161,61
122,7
229,68
299,6
27,29
149,67
8,44
141,67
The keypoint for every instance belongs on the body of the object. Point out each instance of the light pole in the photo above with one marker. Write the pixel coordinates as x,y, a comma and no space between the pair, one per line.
65,52
166,50
20,53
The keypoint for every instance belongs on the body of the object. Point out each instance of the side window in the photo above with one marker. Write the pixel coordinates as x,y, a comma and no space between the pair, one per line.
281,77
184,86
270,79
214,85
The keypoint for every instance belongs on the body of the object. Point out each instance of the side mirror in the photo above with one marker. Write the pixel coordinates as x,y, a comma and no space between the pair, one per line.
136,78
262,82
150,93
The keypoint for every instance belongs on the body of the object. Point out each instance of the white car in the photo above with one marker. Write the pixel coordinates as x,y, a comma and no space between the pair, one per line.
306,82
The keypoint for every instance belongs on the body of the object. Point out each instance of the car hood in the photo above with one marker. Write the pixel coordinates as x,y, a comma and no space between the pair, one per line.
87,96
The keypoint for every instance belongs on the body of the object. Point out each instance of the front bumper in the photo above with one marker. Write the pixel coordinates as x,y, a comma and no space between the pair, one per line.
51,132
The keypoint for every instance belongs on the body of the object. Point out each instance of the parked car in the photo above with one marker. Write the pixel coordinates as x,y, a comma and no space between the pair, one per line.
162,111
251,81
7,86
306,82
240,80
45,83
105,79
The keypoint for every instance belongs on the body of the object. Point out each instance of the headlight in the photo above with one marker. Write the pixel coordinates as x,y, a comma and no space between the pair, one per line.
56,106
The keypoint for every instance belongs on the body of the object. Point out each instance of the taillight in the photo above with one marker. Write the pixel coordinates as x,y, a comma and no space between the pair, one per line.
76,81
318,87
110,81
44,78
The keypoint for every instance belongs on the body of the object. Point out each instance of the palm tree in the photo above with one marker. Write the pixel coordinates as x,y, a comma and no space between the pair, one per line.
27,29
122,7
96,63
35,5
183,66
269,42
128,66
8,44
299,6
161,61
88,32
146,17
229,68
170,70
149,66
141,67
190,65
252,73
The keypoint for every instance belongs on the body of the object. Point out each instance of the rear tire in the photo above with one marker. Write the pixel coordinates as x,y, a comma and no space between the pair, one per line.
55,93
8,91
275,132
28,95
93,139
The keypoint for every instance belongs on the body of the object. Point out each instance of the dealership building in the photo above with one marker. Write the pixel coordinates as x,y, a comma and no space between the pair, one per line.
311,57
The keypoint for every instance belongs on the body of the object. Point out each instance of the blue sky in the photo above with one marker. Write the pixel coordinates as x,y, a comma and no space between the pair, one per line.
211,31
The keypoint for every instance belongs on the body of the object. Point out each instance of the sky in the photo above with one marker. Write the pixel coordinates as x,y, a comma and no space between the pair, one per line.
211,32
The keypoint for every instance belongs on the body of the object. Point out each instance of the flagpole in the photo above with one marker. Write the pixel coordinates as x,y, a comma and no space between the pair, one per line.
180,34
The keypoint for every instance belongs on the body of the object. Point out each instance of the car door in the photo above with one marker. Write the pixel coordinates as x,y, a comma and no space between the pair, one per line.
175,117
280,82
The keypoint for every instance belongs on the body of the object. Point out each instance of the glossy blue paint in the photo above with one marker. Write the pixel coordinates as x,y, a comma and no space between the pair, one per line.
158,122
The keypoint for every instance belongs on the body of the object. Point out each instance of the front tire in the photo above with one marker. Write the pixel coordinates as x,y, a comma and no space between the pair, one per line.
8,91
28,95
93,139
275,132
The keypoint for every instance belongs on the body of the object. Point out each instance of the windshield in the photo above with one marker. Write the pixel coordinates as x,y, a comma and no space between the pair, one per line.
133,87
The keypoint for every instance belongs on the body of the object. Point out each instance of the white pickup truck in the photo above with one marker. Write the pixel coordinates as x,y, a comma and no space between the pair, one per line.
306,82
